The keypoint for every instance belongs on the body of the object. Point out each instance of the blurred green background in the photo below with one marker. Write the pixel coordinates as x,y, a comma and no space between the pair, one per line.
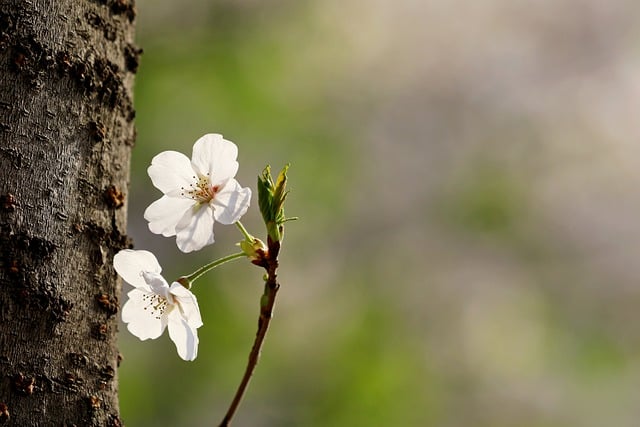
466,174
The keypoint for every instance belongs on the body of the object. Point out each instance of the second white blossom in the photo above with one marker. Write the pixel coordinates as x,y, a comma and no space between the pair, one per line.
154,305
197,192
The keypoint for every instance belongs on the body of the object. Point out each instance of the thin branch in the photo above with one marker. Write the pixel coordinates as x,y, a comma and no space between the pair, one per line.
271,286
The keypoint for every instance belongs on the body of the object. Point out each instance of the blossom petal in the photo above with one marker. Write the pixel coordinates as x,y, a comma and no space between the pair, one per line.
216,157
231,202
130,264
183,335
165,213
142,322
157,284
195,229
188,304
170,172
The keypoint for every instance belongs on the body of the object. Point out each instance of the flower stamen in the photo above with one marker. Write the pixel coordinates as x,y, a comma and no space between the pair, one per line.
156,303
202,191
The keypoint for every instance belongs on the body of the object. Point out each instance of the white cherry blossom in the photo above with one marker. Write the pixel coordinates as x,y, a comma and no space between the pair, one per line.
197,192
154,305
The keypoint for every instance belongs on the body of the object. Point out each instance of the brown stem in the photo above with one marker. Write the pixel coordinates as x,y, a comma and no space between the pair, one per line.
271,286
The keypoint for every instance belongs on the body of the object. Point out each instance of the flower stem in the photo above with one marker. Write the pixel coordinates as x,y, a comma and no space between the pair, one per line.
199,272
267,302
244,231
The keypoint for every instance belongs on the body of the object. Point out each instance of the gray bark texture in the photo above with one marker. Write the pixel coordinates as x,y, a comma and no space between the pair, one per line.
66,132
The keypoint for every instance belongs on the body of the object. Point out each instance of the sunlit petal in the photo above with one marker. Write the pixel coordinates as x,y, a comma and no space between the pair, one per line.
215,157
188,304
184,336
129,264
164,214
231,202
142,321
171,172
195,229
157,284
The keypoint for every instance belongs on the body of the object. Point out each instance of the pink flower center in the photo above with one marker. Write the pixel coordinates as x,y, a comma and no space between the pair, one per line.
202,191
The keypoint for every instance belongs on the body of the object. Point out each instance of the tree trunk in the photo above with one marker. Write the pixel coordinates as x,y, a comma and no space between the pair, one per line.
66,132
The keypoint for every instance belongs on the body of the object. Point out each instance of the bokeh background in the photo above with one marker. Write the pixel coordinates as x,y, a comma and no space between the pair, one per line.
466,176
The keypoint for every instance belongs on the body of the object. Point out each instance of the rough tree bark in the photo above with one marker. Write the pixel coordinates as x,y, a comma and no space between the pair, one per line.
66,132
